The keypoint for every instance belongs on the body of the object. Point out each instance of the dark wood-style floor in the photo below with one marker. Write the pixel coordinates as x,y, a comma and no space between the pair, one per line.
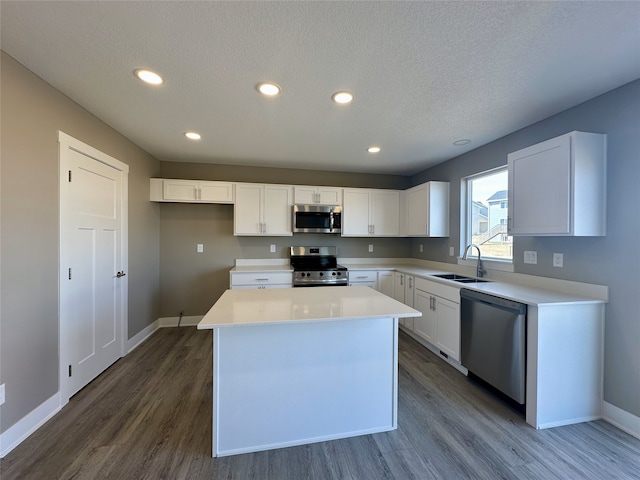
149,417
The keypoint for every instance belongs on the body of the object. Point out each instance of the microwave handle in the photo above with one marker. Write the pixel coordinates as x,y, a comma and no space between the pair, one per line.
331,221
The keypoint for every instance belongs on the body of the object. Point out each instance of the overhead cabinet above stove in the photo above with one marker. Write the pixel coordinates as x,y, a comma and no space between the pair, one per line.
558,187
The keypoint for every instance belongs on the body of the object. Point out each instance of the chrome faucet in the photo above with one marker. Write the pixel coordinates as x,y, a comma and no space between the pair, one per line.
479,270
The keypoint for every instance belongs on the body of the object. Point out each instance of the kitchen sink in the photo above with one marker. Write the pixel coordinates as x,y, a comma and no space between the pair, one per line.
460,278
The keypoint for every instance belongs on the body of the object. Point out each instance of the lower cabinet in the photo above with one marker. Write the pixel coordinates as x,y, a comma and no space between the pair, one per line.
386,279
440,321
367,278
258,280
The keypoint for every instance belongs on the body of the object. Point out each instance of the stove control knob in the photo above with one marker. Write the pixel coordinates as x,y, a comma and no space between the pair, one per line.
321,274
308,274
334,274
339,273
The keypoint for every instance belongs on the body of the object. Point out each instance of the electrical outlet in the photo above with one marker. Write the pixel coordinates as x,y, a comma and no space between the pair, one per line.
452,251
531,256
199,248
2,394
421,248
370,248
272,248
558,260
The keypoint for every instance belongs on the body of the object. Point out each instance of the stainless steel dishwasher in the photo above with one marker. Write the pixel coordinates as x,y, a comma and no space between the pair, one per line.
493,341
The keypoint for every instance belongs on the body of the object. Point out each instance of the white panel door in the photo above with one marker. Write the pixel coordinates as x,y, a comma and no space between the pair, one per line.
355,213
277,209
247,213
539,188
92,283
385,213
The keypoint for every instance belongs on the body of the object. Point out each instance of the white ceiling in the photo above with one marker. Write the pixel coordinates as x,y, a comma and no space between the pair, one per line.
424,74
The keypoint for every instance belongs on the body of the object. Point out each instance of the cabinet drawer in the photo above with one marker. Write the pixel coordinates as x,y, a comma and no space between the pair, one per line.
363,276
258,278
436,288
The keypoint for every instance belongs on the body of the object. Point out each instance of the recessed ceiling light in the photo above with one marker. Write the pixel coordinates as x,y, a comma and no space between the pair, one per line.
192,135
269,89
373,149
342,97
148,76
461,142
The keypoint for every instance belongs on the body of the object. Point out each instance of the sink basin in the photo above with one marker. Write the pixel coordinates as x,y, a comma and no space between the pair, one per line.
459,278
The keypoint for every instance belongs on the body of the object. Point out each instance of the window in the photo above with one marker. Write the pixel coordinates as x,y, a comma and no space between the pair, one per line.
486,215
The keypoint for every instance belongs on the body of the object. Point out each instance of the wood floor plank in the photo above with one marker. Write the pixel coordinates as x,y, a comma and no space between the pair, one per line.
149,417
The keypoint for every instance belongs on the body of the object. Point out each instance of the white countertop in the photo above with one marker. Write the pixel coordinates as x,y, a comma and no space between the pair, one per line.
287,305
531,295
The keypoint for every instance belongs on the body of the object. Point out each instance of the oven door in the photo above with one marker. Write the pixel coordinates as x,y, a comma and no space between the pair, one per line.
316,219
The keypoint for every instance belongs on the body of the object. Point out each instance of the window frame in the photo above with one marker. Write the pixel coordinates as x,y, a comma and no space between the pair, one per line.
492,263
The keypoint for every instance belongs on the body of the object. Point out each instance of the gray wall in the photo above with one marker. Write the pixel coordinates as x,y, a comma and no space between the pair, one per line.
191,282
613,260
32,113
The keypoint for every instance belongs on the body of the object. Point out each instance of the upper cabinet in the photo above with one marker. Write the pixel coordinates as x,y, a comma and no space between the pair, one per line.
558,187
426,210
306,195
192,191
370,213
262,210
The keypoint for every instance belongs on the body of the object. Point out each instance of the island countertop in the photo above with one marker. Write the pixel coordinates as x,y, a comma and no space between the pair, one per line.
290,305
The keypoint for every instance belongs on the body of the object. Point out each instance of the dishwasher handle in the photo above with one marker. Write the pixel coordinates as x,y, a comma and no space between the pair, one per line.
494,301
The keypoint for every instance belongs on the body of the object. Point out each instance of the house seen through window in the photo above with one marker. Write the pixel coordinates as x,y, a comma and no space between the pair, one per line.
486,214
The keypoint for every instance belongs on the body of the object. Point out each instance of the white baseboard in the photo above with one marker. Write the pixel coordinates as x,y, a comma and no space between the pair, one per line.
622,419
190,321
28,424
141,336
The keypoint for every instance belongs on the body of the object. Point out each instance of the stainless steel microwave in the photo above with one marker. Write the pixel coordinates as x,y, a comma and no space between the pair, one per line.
317,219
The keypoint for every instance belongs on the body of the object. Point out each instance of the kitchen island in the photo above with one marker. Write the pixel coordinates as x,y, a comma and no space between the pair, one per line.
302,365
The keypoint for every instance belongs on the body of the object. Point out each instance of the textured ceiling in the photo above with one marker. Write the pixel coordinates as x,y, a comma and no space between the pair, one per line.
424,74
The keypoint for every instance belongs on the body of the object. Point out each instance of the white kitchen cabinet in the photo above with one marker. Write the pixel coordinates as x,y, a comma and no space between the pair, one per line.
260,280
404,292
386,279
370,213
190,191
308,195
440,321
425,210
558,187
367,278
262,210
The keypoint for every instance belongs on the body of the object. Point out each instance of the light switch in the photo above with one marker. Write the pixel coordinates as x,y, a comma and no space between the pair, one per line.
421,248
370,248
199,248
451,251
272,248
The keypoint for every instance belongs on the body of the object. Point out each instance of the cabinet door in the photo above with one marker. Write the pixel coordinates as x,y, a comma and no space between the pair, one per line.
186,190
398,291
329,196
385,212
540,188
448,327
305,195
386,283
247,214
355,213
409,290
426,325
416,215
215,192
277,210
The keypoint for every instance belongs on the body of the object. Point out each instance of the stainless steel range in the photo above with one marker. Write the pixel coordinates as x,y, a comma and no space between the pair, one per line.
317,267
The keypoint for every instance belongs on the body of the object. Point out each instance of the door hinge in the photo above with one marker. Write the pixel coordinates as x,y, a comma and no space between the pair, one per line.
69,175
69,273
69,370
